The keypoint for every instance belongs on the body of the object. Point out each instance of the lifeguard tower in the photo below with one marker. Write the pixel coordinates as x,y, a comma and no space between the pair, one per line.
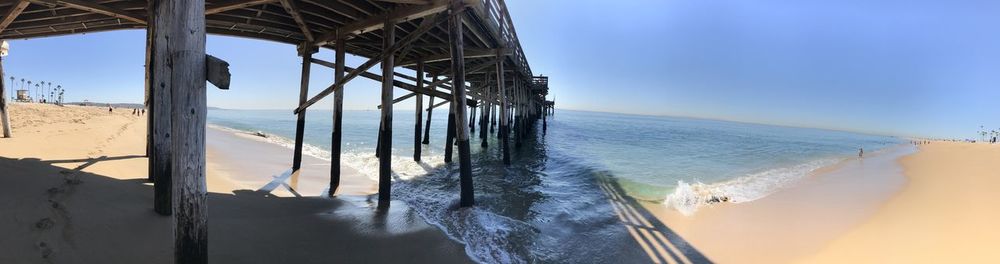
22,96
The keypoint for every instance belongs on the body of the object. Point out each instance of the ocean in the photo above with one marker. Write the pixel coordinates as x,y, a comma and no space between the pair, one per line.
551,204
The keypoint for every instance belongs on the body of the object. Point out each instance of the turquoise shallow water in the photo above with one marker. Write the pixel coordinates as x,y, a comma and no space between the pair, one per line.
548,203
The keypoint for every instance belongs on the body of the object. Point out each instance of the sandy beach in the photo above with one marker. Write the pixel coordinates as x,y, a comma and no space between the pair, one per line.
73,189
928,206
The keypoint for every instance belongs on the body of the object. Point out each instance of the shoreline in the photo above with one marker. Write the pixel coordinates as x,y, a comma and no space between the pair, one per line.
798,219
236,153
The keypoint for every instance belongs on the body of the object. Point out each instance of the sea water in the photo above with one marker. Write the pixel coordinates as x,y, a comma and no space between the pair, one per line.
548,205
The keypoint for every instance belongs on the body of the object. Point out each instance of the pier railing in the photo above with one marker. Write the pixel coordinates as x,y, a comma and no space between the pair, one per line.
498,20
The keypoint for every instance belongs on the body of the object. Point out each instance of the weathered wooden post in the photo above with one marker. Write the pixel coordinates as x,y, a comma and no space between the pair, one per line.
430,112
484,119
502,93
419,112
338,118
4,119
306,50
545,113
450,133
180,40
519,112
458,99
472,119
385,157
148,99
161,83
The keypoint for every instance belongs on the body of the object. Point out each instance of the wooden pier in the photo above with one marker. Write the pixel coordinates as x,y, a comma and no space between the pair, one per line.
467,48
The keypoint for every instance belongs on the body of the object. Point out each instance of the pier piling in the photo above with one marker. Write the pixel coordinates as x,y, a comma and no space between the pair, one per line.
458,92
4,119
430,112
306,50
160,105
385,138
338,119
418,112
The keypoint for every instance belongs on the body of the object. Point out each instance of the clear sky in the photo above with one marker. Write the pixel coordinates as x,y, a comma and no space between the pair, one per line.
913,67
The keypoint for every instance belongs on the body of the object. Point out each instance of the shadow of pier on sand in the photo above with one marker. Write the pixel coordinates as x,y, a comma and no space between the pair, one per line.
55,215
660,243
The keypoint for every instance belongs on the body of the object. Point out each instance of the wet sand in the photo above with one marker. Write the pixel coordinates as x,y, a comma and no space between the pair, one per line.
73,190
795,221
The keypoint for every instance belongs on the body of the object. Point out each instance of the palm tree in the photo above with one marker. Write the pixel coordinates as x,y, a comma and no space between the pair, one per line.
29,91
61,91
38,91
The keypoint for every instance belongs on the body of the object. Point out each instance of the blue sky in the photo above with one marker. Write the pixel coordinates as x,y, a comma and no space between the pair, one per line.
923,68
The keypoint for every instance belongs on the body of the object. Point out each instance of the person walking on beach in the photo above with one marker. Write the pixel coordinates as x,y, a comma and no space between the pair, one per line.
861,152
110,110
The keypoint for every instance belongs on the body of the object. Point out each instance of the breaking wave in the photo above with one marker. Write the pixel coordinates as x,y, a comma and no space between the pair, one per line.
688,197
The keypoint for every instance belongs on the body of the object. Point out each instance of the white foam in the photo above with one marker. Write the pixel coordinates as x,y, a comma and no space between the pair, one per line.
687,198
363,160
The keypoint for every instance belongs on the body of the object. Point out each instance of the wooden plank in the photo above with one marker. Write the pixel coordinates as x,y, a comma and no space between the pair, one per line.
338,119
91,6
385,135
293,10
300,122
14,11
234,4
401,14
217,72
181,26
455,28
371,62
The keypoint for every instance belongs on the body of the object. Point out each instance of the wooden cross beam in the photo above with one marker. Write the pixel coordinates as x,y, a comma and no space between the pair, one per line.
217,72
400,99
91,6
469,54
14,11
438,104
472,69
374,60
412,88
396,83
401,14
234,4
293,10
426,82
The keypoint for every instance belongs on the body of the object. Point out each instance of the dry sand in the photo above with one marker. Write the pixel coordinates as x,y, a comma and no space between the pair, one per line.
73,190
933,206
947,213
